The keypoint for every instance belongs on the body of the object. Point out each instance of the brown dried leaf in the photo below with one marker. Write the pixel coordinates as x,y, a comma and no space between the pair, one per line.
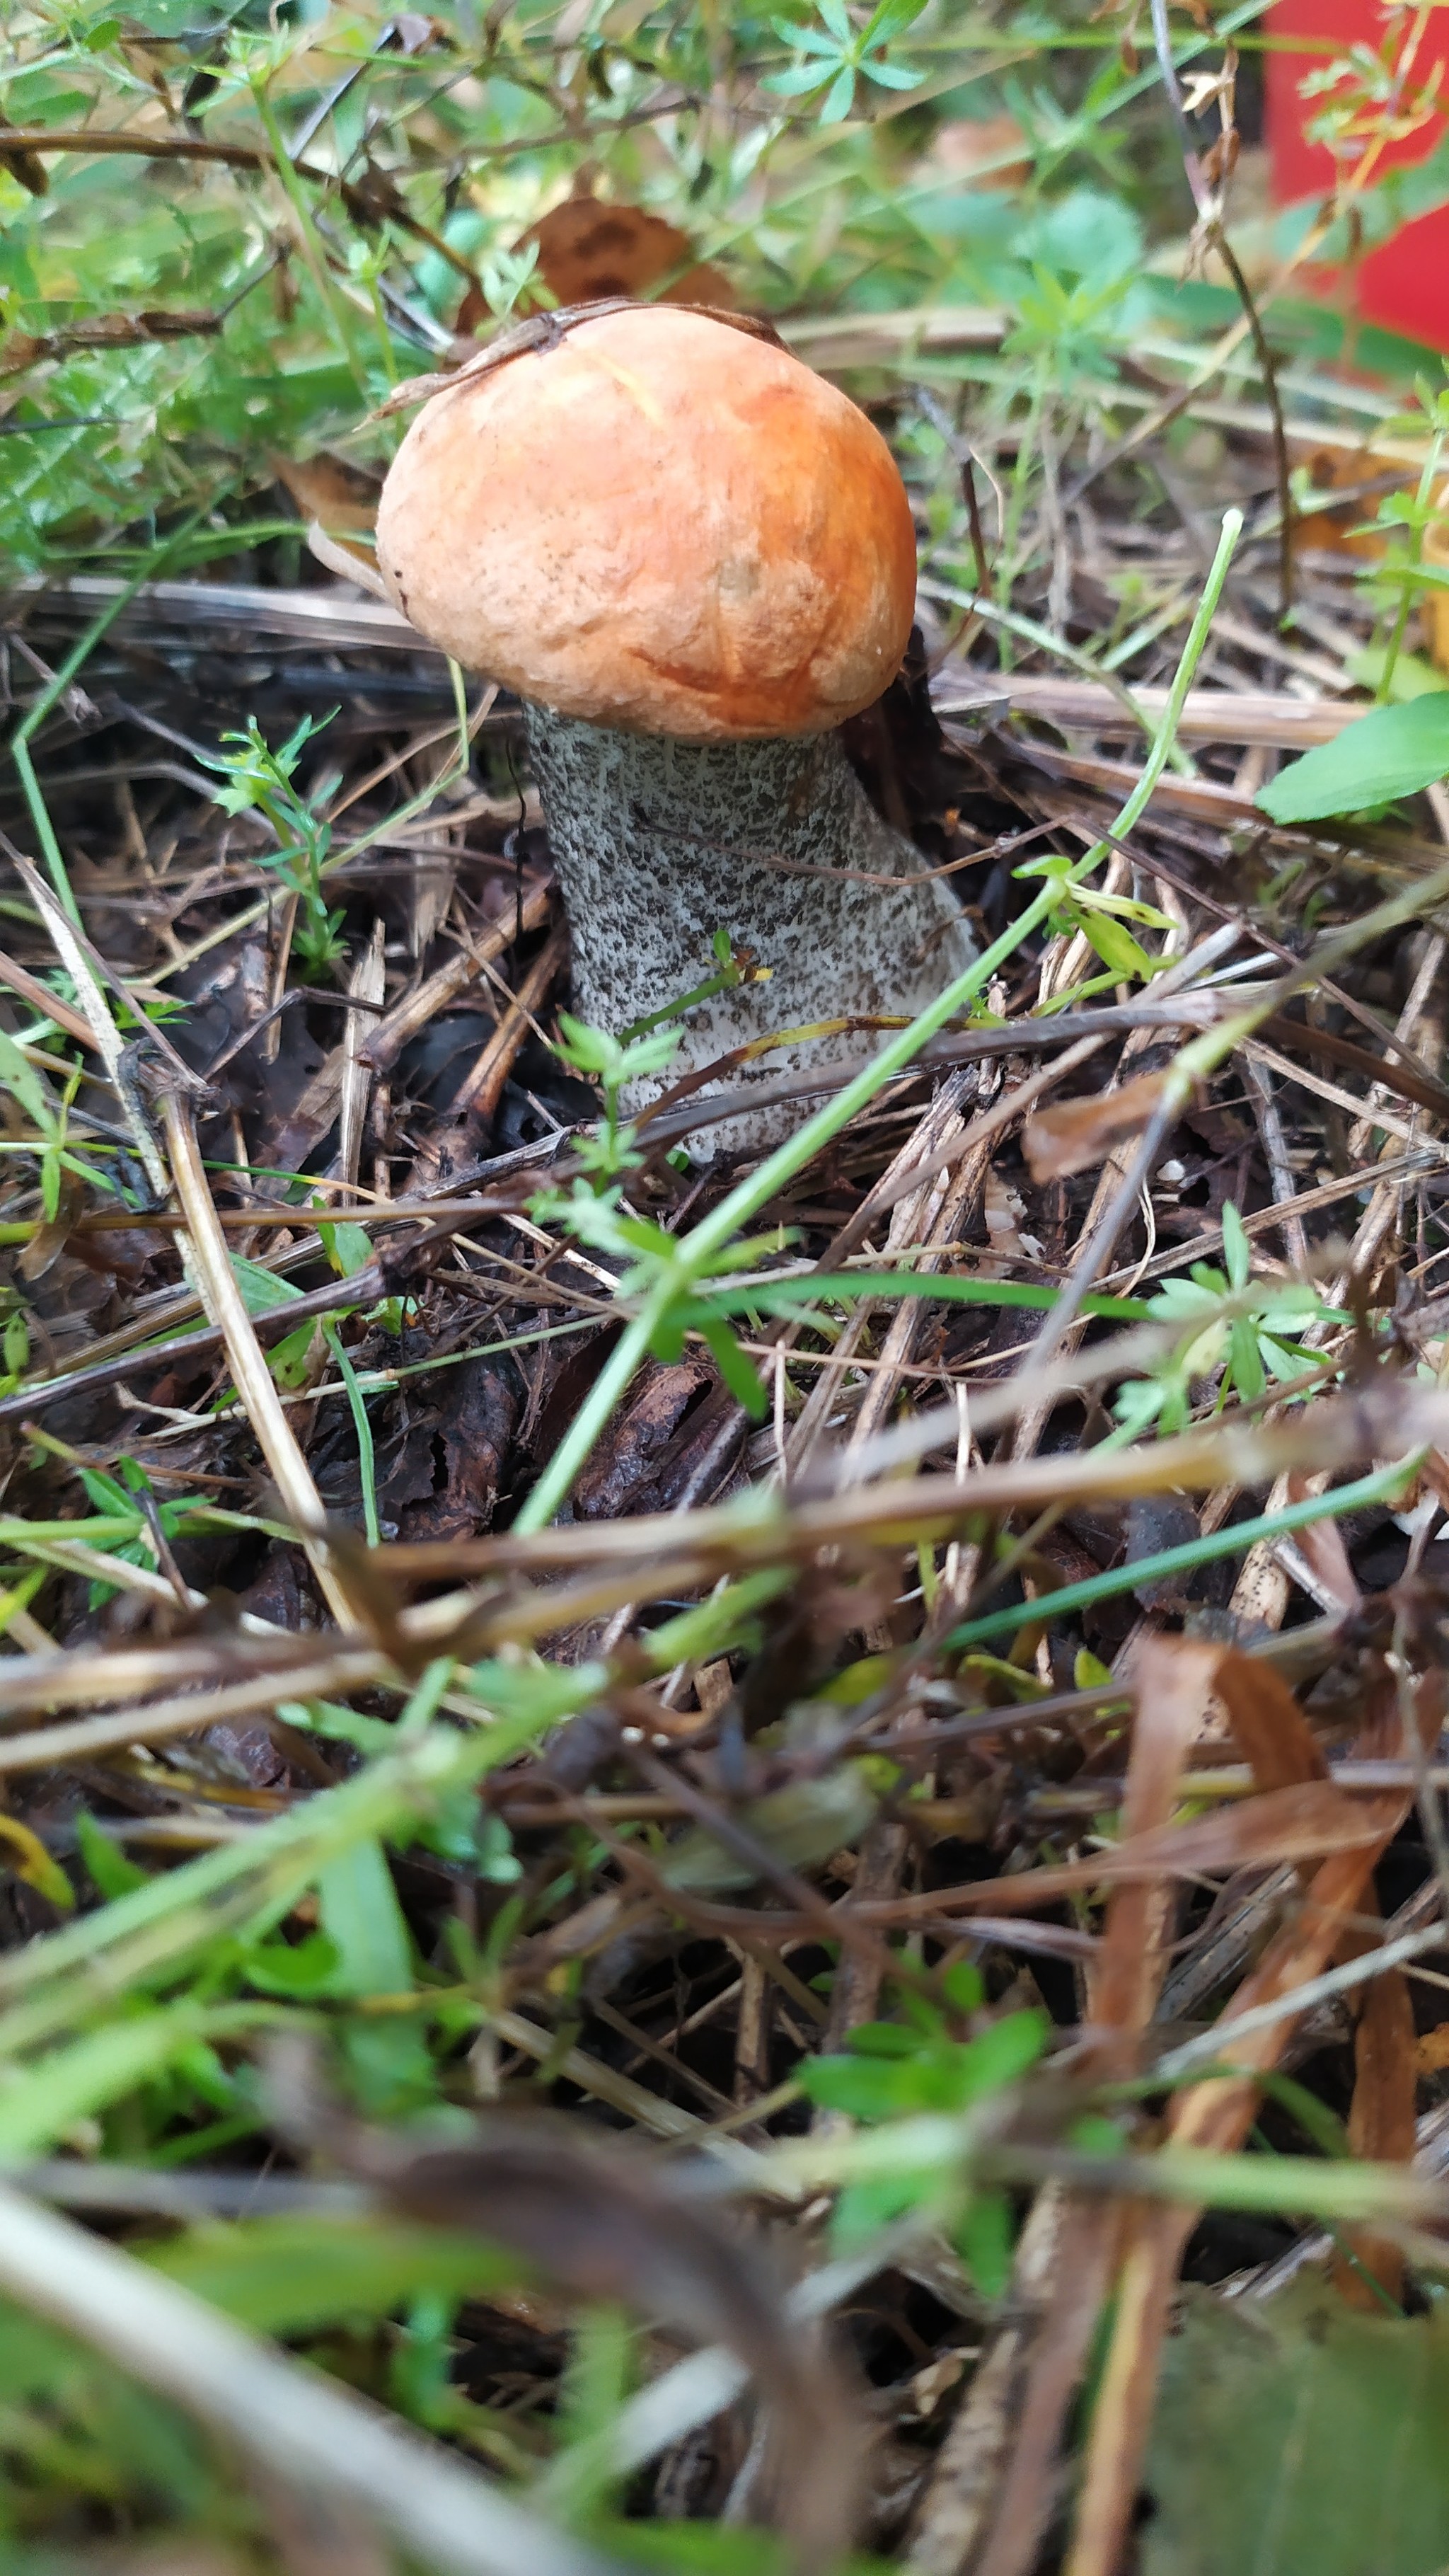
1270,1727
588,250
1173,1690
28,168
1072,1135
46,1245
1173,1687
621,1475
342,500
1060,2350
1322,1544
1380,2125
993,150
19,350
469,1439
1215,2114
1297,1823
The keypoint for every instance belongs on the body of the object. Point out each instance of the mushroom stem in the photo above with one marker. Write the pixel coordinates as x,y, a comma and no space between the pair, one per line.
659,844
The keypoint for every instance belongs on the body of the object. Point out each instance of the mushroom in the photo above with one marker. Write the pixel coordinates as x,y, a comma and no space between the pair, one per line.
693,559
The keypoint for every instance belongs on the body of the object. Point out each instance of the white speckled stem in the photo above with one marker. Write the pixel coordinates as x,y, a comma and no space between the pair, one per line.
660,844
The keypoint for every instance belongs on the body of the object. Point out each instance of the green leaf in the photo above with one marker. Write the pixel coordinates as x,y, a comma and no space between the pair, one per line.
1089,1672
964,1986
645,1054
112,1873
262,1290
287,2276
798,1825
935,2075
301,1971
985,2240
1001,2054
290,1358
388,2058
368,1735
893,76
883,2039
75,2082
798,80
1121,954
1184,1301
1411,676
496,1859
1246,1366
858,1681
117,2441
737,1369
348,1247
891,19
810,41
1390,752
865,2088
19,1075
865,2207
361,1916
588,1050
1299,2438
1237,1251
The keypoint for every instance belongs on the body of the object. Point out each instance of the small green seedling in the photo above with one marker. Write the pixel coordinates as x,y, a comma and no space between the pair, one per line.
260,780
51,1146
1247,1329
894,2070
834,55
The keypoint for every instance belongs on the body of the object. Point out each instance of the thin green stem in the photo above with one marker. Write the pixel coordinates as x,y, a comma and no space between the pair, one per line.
1416,556
313,251
363,1428
1101,672
1378,1488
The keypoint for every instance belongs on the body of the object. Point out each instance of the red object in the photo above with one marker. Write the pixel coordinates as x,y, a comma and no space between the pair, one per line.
1404,285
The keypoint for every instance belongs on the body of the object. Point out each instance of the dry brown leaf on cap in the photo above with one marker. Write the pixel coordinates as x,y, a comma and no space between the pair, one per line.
593,252
338,496
589,249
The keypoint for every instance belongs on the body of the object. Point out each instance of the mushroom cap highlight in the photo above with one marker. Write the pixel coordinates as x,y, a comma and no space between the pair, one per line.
658,522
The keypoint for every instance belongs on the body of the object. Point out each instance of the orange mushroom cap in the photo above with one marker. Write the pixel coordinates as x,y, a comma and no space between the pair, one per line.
657,522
